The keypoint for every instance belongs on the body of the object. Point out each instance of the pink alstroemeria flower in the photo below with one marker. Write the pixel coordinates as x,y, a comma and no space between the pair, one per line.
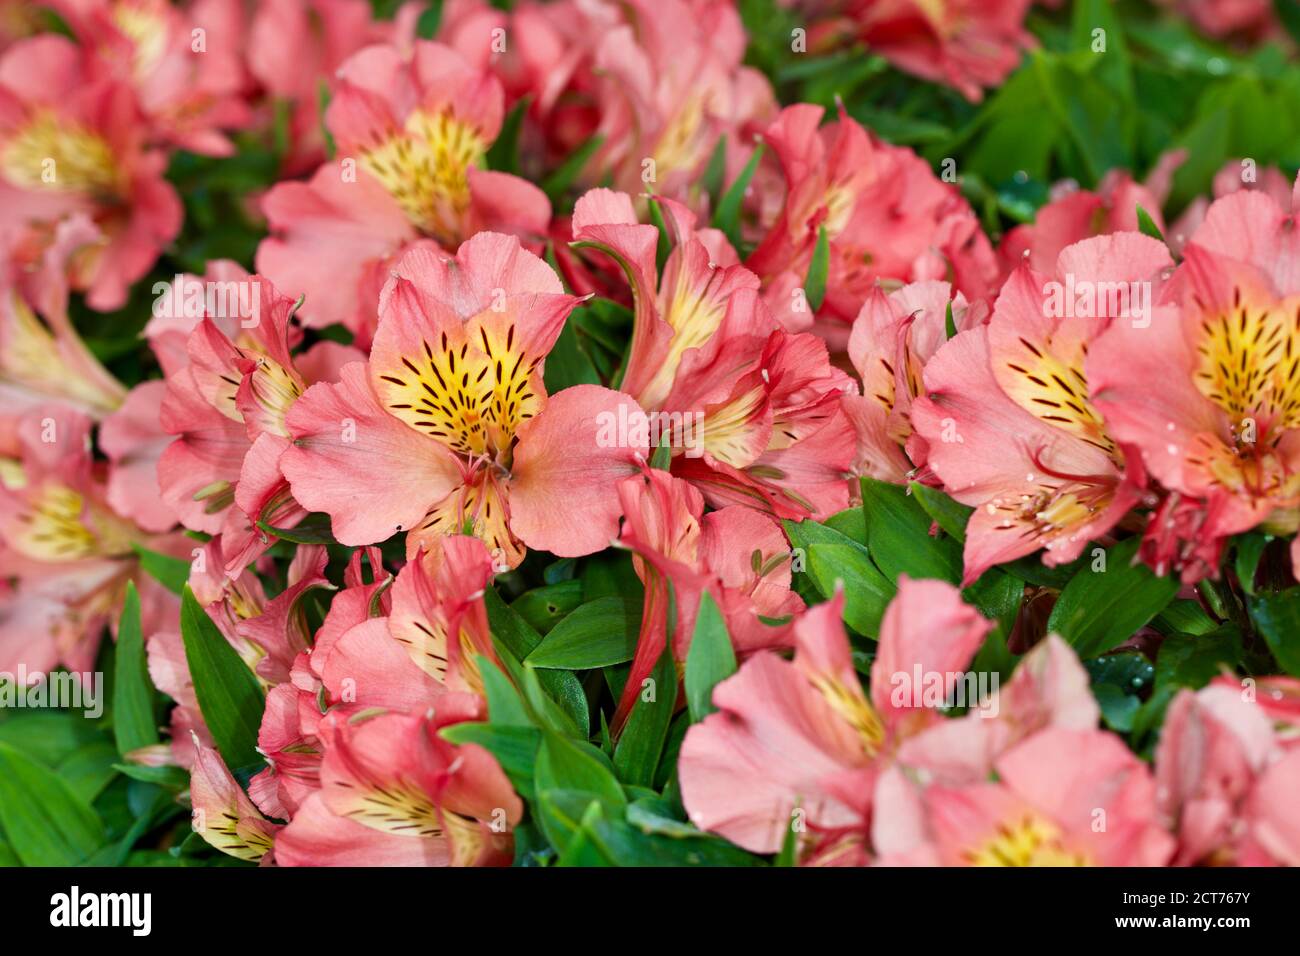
1010,416
893,338
393,792
184,63
737,555
762,404
42,358
226,402
1226,765
1223,428
1075,214
452,411
322,34
1063,797
804,735
72,143
886,216
411,131
969,45
70,554
661,83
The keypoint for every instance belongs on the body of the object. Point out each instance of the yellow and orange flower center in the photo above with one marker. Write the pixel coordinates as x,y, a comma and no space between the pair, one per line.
470,392
1026,840
694,311
57,525
146,30
55,153
1248,364
478,507
1055,390
425,168
850,704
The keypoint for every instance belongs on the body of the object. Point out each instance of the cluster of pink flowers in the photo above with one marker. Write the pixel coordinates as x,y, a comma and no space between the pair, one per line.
381,377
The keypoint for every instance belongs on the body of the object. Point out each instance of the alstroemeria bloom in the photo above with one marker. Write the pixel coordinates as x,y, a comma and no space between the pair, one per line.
1249,19
752,411
183,63
1224,425
70,554
1063,797
227,401
1009,413
222,813
660,81
737,555
1227,766
411,133
886,216
1235,175
451,409
893,337
322,34
72,142
967,44
1075,214
805,735
42,358
393,792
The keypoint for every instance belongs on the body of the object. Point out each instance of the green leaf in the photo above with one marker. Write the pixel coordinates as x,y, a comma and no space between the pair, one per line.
511,632
44,822
599,633
310,531
727,217
637,755
898,536
709,660
829,557
133,695
1249,549
229,696
546,606
1147,226
948,514
949,323
504,705
171,573
515,749
503,155
1277,616
814,284
558,183
662,458
1100,609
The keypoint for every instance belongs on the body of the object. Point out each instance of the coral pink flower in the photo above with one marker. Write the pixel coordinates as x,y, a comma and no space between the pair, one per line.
42,358
71,142
411,133
69,553
1223,770
893,337
185,64
1222,427
1235,175
967,44
805,735
1250,19
1062,798
661,83
227,401
1009,413
452,409
393,792
762,404
223,815
1076,214
886,217
322,35
735,554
